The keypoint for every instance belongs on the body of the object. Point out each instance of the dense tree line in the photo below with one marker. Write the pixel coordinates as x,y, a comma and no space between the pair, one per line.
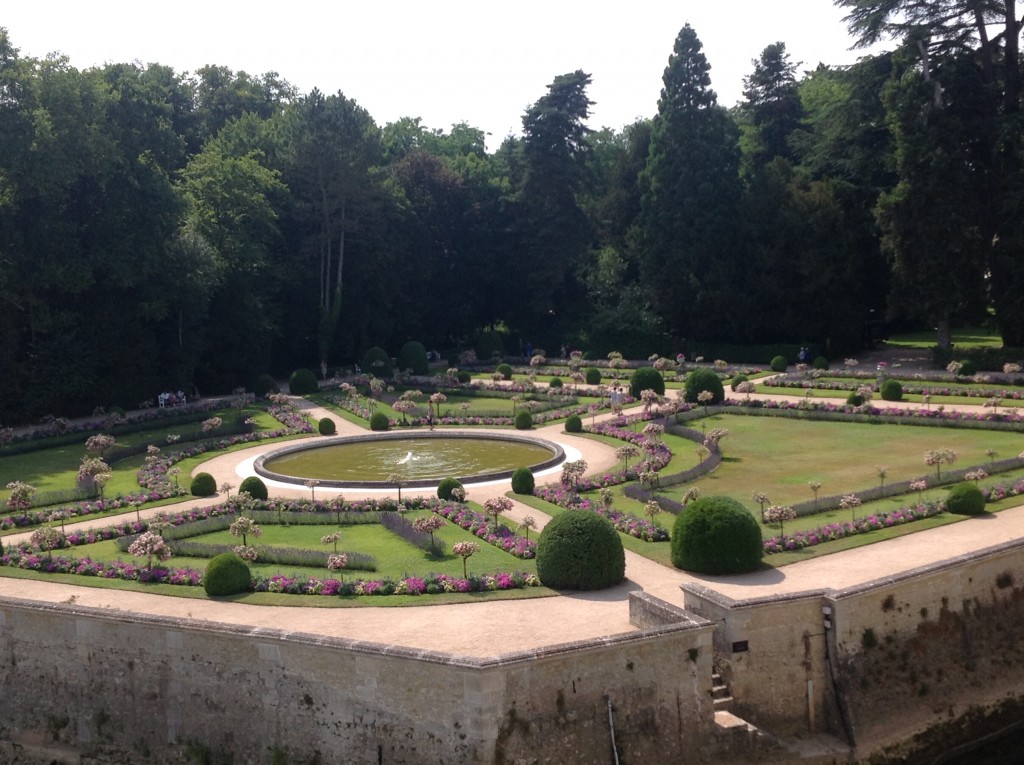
164,230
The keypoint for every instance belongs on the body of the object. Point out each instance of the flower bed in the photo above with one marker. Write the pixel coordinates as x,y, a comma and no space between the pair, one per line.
832,531
938,415
627,523
431,584
483,527
1015,394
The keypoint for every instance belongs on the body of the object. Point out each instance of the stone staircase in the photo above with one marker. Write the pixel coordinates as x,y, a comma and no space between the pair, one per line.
721,697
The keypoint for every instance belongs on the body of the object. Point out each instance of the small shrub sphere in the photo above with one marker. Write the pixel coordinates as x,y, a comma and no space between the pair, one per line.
376,362
302,383
704,379
445,487
965,499
226,574
505,371
555,382
524,420
580,550
593,376
326,427
855,399
465,377
203,485
820,362
573,424
779,364
646,378
264,386
737,380
254,487
969,368
892,390
379,421
716,535
522,481
413,356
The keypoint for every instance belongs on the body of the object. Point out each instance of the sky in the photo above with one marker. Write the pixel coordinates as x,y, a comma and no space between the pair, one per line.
447,62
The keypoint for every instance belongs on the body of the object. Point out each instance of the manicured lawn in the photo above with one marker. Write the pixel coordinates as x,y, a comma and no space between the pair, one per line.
966,337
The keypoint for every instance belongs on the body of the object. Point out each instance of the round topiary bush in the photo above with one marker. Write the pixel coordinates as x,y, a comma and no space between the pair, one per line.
203,485
465,377
737,380
326,427
580,550
855,399
892,390
704,380
505,371
264,386
302,383
555,382
573,424
524,420
522,481
646,378
413,357
965,499
376,362
444,489
968,368
226,574
820,362
716,535
593,376
254,487
779,364
379,421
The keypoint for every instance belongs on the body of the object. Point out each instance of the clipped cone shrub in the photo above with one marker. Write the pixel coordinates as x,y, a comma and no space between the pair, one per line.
716,535
580,550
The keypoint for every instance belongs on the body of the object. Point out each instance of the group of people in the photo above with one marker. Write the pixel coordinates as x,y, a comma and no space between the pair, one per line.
171,399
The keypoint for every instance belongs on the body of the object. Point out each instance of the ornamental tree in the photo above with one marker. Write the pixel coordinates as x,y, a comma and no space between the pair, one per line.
465,550
938,458
496,506
20,498
151,545
243,527
779,514
429,524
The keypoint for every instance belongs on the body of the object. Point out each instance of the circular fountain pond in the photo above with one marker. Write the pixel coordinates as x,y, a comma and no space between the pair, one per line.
420,459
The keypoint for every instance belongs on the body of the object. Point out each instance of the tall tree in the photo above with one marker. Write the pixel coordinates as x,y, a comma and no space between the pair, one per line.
691,196
773,102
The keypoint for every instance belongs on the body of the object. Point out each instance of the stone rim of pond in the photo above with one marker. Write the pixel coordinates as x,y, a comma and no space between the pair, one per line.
557,458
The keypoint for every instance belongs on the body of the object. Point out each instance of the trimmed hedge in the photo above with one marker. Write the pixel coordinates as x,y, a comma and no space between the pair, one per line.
379,421
326,427
779,363
376,362
302,383
646,378
573,424
226,574
965,499
891,390
716,535
254,487
593,376
737,379
524,420
264,386
505,370
445,487
580,550
413,357
203,485
523,481
555,382
820,362
704,380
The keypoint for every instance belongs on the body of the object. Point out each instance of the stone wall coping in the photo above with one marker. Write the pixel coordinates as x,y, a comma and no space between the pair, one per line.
725,601
681,615
693,624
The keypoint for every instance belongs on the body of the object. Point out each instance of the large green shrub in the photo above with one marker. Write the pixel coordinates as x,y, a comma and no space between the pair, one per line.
704,380
264,386
965,499
376,362
737,379
968,368
254,487
505,371
646,378
445,487
820,362
302,383
593,376
524,420
716,535
326,427
465,377
555,382
891,390
203,485
489,346
522,481
226,574
379,421
573,424
413,356
855,399
779,364
580,550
